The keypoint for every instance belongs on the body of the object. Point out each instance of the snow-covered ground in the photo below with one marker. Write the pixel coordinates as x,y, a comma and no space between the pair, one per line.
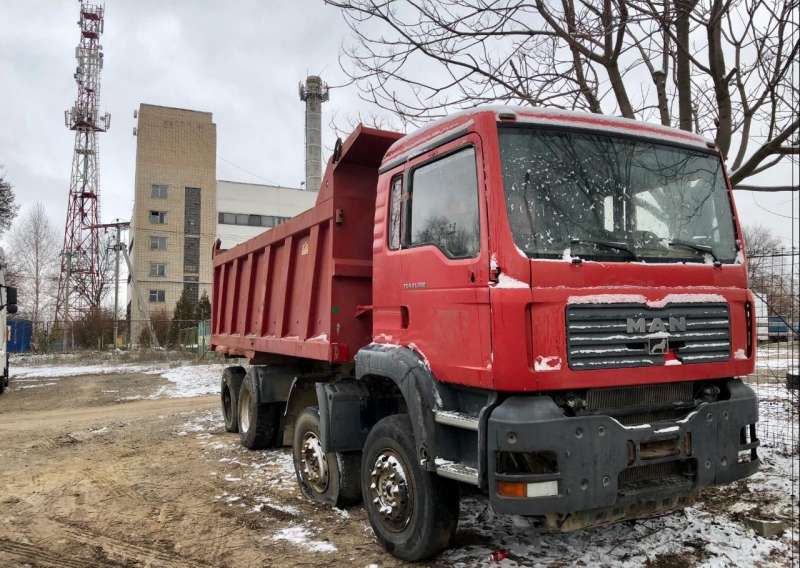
710,533
20,373
185,378
190,380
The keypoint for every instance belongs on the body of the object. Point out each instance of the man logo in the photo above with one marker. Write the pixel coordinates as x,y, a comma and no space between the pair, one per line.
657,346
656,325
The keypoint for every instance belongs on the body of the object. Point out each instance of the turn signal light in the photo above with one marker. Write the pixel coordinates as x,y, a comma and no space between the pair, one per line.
509,489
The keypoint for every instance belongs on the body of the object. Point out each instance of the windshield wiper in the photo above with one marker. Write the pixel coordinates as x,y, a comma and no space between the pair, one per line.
608,244
698,247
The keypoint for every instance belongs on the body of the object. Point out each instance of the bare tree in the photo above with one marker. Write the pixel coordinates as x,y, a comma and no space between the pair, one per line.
33,257
661,60
105,269
8,207
768,269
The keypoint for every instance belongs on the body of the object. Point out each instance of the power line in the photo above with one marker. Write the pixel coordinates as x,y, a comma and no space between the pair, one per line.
269,182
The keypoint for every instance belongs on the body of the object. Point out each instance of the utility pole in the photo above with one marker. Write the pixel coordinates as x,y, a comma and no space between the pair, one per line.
118,247
67,259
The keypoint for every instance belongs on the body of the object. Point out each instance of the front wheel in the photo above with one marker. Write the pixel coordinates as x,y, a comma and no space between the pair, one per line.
413,512
326,477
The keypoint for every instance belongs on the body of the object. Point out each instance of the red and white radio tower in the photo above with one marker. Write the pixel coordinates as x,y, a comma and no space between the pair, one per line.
79,283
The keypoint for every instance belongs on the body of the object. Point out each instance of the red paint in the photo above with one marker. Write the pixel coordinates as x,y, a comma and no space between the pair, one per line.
313,276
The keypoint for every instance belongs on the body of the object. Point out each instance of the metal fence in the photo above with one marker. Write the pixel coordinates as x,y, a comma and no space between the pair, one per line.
775,281
102,333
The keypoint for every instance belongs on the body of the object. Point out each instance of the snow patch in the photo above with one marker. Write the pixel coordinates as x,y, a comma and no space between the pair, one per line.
60,371
192,380
739,354
549,363
301,536
506,281
640,299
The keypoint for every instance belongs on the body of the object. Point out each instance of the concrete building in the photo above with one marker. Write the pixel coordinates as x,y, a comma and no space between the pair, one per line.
246,209
180,208
174,219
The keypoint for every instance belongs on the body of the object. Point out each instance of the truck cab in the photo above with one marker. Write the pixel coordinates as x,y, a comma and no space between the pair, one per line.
586,275
8,306
549,306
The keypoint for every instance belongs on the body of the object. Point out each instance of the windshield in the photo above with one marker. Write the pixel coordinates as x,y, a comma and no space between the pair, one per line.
614,198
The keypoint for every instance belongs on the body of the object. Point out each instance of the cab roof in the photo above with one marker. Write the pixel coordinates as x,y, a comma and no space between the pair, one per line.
443,128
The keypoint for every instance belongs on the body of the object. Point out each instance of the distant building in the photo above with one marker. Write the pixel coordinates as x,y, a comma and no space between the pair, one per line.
247,209
180,208
174,221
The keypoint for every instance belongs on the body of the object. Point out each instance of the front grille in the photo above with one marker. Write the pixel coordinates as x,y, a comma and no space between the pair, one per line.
604,336
655,474
618,398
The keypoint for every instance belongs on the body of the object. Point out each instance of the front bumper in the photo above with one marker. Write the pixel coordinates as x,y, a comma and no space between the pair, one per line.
599,461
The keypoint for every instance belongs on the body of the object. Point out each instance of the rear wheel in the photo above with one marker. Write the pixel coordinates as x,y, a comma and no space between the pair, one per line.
413,512
333,477
259,424
229,393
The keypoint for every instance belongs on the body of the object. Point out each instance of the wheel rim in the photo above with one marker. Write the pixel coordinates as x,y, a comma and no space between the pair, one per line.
244,411
389,491
314,464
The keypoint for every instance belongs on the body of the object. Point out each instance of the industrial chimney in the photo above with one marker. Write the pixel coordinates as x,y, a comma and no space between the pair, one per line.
314,93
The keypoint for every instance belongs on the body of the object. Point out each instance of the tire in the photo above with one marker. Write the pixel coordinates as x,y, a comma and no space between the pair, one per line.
229,395
422,513
340,485
259,424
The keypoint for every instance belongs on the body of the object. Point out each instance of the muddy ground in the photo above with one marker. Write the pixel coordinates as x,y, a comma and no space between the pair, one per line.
96,473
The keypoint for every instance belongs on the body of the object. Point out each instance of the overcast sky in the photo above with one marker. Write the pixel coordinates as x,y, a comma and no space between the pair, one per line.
239,59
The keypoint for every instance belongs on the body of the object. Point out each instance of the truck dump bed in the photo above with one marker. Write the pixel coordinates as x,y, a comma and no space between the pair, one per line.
303,288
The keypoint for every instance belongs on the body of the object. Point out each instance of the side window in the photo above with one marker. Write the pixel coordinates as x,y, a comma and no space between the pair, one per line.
444,205
395,206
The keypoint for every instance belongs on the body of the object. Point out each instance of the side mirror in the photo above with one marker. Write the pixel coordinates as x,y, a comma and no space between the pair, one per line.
11,300
11,296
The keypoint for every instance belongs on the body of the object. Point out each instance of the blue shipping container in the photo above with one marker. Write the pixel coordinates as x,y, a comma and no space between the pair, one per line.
19,340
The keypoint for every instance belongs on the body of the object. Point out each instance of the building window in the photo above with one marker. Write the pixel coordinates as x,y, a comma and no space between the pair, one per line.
191,255
158,296
158,217
158,243
248,220
158,191
192,210
158,269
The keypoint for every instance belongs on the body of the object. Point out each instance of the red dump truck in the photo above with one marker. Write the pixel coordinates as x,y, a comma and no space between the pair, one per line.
551,307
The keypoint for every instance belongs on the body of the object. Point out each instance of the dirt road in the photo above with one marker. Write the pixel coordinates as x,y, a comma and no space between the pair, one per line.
96,472
94,482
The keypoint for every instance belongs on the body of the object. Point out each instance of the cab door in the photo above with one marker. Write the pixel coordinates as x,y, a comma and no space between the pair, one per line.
444,262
